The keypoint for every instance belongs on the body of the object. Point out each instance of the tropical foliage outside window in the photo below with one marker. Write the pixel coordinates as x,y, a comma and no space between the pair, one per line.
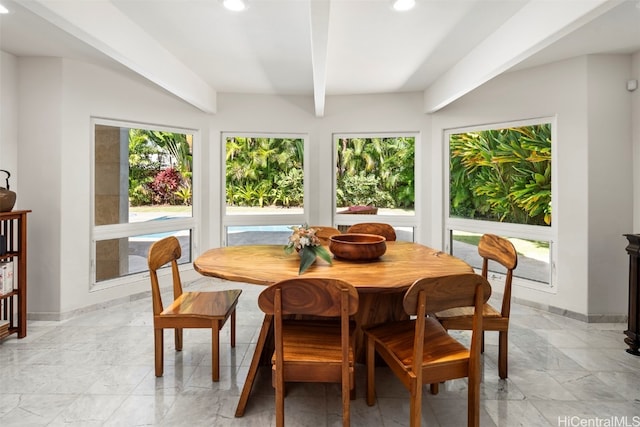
160,168
264,171
502,175
375,171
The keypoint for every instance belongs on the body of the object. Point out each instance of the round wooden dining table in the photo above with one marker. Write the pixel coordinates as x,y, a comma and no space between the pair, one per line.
380,283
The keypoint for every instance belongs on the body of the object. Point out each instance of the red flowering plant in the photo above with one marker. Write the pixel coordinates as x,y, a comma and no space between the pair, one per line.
307,244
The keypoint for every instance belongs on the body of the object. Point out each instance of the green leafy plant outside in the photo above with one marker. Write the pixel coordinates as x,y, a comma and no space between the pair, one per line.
264,171
502,175
376,171
269,172
160,168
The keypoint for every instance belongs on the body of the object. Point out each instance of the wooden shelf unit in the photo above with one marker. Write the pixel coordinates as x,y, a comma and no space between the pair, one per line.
13,305
633,330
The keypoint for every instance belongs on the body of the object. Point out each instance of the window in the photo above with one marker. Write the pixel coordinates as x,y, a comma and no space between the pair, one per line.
264,187
142,192
533,255
499,181
375,175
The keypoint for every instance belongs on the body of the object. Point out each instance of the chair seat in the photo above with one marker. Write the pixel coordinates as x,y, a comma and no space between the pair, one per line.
208,305
439,346
313,341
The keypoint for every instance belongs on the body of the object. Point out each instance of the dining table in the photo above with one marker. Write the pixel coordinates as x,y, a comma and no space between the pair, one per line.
380,283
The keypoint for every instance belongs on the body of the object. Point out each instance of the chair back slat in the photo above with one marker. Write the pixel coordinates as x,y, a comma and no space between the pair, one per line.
502,251
324,233
446,292
378,228
310,296
498,249
164,251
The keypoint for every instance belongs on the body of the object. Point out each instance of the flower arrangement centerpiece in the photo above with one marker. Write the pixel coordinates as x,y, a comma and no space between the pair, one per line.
307,244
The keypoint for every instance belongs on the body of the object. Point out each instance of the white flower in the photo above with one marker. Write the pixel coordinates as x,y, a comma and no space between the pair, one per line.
305,241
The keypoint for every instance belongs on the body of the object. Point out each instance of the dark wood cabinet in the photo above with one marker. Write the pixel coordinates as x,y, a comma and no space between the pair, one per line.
633,330
13,303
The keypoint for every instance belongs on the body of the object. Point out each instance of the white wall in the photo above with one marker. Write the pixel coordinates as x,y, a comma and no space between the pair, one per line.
635,130
9,121
39,169
610,185
591,153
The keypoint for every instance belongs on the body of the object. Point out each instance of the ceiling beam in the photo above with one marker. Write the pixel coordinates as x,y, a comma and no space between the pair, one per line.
104,27
319,20
536,26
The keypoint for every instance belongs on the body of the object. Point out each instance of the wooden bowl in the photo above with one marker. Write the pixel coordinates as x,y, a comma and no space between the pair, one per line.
357,247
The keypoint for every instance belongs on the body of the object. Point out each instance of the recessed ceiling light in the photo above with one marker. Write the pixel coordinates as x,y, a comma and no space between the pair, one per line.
402,5
3,9
234,5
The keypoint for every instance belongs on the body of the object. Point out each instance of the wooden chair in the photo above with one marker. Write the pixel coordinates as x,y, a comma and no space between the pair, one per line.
188,309
324,233
312,350
420,351
500,250
379,228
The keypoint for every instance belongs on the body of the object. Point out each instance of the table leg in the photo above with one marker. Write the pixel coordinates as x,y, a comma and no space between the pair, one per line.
255,363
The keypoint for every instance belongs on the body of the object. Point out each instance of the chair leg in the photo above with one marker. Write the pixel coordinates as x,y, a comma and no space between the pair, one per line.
482,342
346,401
215,351
279,385
158,338
178,338
415,405
371,381
435,388
502,353
473,411
233,328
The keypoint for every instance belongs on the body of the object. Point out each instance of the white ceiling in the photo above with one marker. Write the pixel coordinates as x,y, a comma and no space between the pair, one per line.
196,49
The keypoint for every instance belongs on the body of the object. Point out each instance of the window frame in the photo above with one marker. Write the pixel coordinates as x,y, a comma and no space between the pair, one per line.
531,232
262,219
133,229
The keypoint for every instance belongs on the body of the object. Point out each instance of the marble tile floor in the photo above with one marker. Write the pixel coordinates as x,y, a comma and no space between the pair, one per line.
96,369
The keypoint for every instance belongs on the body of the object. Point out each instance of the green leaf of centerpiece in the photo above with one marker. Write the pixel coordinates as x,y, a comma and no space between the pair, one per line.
323,253
307,257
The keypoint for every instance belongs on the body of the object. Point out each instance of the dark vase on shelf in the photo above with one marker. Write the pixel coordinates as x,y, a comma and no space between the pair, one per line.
7,197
